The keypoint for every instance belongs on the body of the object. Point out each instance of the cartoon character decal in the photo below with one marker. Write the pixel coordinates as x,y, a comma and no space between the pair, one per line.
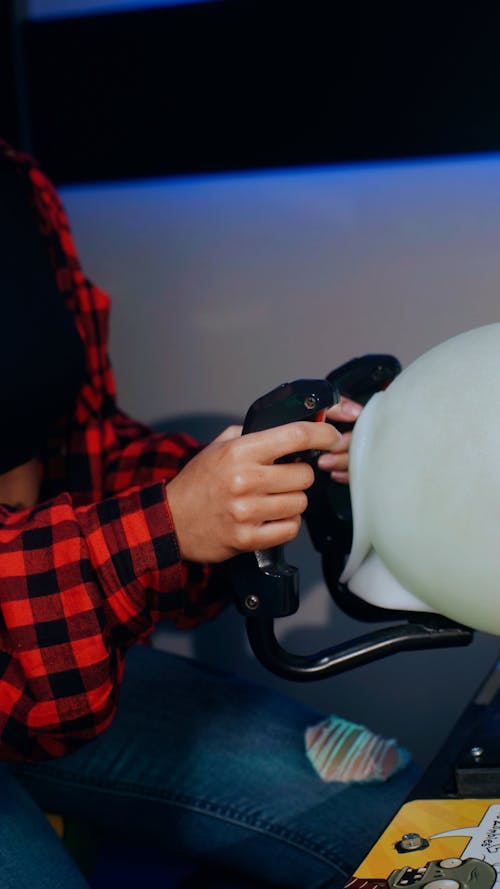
449,873
454,865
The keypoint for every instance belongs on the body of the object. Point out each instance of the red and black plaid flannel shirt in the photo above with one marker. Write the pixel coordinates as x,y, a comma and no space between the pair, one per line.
87,573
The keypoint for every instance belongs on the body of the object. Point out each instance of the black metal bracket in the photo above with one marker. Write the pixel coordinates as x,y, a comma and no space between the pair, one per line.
363,650
264,585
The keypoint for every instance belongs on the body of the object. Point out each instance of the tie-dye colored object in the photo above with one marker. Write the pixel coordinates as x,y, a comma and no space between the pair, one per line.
344,751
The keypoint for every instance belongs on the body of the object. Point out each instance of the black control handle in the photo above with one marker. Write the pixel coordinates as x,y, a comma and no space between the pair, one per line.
328,516
266,587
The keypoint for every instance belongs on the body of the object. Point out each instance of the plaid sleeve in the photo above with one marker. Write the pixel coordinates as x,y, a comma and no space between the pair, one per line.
77,588
139,456
86,574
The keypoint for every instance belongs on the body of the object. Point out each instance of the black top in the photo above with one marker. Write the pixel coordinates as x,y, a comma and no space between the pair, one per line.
41,354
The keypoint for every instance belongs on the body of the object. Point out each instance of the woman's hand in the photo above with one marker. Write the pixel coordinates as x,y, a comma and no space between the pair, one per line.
337,461
232,497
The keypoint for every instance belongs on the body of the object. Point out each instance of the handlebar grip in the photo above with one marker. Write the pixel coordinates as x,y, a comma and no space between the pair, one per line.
265,585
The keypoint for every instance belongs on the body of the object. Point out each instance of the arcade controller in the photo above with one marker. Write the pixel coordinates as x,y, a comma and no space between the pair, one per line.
266,587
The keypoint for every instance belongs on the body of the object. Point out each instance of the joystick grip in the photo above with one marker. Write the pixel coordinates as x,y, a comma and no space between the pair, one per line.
266,584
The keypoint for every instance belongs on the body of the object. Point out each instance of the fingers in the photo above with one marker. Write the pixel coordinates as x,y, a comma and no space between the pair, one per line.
341,477
336,462
276,533
271,444
346,411
279,478
273,508
338,469
232,497
338,457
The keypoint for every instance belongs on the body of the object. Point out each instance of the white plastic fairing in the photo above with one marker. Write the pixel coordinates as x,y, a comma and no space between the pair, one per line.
359,463
365,573
425,486
374,583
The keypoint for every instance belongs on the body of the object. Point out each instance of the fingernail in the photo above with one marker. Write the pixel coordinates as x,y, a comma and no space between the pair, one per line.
353,409
327,461
339,476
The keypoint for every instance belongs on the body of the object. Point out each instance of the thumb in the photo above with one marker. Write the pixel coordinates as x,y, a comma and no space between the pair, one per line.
345,411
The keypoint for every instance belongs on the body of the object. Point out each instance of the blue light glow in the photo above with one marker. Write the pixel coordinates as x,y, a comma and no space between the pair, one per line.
384,166
48,9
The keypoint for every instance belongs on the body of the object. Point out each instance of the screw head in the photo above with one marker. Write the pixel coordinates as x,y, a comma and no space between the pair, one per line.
252,602
310,402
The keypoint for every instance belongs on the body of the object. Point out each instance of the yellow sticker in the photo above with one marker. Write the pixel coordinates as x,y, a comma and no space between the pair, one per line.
438,843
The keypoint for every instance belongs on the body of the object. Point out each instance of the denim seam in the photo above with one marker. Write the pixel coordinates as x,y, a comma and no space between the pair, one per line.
206,807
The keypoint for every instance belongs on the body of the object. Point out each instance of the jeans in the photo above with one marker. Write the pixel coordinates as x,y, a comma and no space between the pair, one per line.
198,764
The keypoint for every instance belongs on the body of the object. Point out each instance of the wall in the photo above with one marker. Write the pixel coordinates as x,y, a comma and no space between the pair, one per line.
226,285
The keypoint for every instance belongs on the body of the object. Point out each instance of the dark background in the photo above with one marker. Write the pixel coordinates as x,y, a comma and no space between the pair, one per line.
236,84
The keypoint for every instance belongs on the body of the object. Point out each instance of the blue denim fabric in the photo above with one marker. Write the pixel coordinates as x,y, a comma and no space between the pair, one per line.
31,854
203,765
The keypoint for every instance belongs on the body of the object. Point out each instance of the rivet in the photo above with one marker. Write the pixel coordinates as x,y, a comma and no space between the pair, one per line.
310,402
252,602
